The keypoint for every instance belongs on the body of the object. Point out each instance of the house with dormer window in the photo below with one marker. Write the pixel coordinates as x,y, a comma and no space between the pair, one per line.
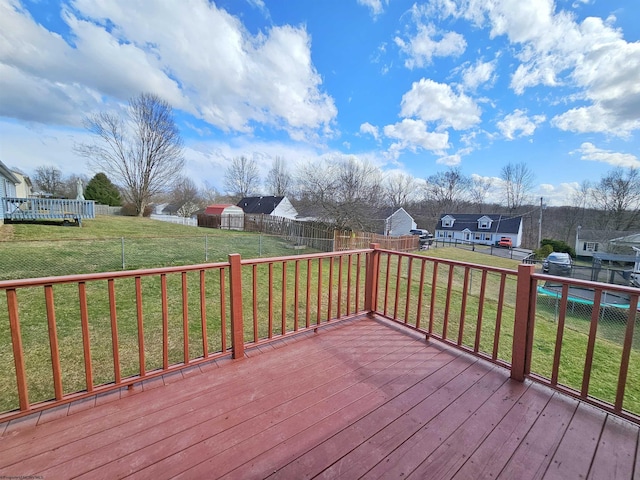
484,229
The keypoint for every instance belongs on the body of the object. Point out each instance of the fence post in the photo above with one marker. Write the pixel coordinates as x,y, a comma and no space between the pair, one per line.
522,327
235,287
122,242
371,281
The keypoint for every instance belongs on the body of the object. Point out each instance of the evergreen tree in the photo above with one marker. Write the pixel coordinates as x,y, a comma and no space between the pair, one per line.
102,191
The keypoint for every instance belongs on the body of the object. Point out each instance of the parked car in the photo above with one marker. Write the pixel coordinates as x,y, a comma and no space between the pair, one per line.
419,231
558,263
505,242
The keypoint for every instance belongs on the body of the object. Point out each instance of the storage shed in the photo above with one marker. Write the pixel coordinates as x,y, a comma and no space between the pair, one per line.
223,215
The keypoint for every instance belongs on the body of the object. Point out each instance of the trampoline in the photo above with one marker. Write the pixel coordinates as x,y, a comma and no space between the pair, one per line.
584,296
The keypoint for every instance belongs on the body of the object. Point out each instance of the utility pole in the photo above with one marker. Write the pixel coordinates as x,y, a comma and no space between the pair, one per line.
540,226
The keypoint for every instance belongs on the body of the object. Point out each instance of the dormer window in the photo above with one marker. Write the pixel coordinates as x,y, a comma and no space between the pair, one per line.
484,223
447,221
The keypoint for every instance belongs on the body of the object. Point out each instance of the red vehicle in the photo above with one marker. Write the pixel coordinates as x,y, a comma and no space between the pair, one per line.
505,242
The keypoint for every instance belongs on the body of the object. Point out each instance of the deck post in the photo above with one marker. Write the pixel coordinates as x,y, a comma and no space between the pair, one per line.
235,293
523,322
371,281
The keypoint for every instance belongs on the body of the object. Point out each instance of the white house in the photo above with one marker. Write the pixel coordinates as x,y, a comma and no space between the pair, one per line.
486,229
274,206
399,223
24,189
8,183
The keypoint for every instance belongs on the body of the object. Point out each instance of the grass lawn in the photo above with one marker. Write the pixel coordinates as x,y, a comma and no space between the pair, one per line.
111,243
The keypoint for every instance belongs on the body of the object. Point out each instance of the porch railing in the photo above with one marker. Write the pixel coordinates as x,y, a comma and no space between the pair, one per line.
67,338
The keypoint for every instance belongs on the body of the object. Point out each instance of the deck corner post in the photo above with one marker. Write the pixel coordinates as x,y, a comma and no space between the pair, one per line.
235,293
523,322
371,282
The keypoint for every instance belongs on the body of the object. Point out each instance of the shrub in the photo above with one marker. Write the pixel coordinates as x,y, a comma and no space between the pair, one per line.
543,252
558,246
129,210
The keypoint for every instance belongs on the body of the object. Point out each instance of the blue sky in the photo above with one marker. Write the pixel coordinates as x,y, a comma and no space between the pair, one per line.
412,87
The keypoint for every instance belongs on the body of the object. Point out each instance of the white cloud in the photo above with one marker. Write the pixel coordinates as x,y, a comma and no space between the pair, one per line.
518,121
374,5
450,160
477,74
369,129
437,102
198,57
429,43
413,134
588,151
554,49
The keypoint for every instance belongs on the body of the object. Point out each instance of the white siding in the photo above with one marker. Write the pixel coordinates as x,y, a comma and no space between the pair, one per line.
399,223
285,209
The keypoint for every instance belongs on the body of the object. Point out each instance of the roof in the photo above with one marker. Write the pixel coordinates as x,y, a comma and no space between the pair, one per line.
265,205
218,209
4,170
499,223
398,211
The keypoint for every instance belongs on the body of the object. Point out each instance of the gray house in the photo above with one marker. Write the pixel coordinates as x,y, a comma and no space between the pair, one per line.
399,223
590,243
8,183
485,229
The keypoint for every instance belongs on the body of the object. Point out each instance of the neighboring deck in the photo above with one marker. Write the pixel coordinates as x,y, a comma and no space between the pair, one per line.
357,399
28,209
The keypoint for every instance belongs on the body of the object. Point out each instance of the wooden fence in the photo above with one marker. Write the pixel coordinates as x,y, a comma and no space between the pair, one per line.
315,235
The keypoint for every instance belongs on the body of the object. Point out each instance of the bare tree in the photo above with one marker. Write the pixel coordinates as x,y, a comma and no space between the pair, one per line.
480,188
209,194
49,180
399,189
344,191
517,183
617,195
279,181
185,196
143,152
448,189
242,178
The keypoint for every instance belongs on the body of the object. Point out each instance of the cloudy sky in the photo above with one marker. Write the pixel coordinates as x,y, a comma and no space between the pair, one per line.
410,86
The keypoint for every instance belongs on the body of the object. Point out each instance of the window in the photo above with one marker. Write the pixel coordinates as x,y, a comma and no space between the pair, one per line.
484,224
447,222
477,236
590,246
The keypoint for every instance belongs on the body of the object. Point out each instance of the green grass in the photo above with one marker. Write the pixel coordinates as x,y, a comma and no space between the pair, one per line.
111,243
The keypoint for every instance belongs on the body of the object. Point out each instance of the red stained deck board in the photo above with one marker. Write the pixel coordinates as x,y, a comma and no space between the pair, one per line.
347,397
574,454
272,427
488,460
163,449
532,457
404,392
89,421
224,396
615,454
422,442
350,439
456,449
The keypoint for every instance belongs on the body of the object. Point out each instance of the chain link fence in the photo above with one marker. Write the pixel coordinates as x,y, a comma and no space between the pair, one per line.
30,259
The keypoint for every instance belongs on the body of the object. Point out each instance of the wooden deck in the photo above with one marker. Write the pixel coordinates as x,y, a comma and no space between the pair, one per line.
357,399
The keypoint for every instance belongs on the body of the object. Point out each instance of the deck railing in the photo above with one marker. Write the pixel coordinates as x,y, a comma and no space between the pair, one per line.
67,338
33,208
